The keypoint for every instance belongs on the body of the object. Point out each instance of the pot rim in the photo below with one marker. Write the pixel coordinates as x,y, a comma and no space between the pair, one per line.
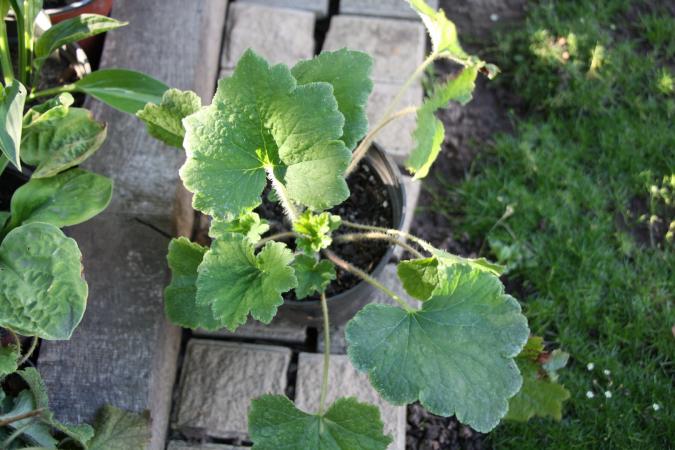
390,250
68,8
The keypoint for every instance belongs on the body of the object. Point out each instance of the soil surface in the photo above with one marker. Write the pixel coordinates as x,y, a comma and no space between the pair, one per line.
57,3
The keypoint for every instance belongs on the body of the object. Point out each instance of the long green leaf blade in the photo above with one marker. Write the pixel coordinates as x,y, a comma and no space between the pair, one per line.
11,117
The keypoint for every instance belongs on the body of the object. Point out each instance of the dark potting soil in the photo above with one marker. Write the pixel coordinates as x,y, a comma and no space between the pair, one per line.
57,3
368,204
426,431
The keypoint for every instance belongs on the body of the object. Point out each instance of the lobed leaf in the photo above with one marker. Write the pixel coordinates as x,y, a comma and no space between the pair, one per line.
42,292
69,198
181,294
125,90
54,143
261,123
313,276
248,224
116,429
165,121
234,281
275,423
455,355
443,32
348,71
12,99
315,230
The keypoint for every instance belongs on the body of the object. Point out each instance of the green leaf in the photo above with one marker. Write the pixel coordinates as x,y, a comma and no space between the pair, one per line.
126,90
9,356
275,423
261,122
34,431
555,361
42,292
47,114
12,99
455,355
420,277
348,71
68,198
313,276
181,295
69,31
442,31
315,230
56,144
4,216
120,430
249,224
165,121
430,133
447,260
233,281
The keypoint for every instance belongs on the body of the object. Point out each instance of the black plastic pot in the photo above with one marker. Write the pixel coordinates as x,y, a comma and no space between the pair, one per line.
345,305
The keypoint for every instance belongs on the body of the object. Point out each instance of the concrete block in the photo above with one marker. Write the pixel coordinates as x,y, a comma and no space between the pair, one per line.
318,7
412,195
179,445
278,34
346,381
279,330
382,8
220,379
398,46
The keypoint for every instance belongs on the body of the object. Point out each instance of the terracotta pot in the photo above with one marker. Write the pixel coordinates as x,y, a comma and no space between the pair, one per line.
92,46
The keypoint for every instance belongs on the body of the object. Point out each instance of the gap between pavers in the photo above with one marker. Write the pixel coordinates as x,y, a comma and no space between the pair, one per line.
318,7
382,8
345,381
220,379
180,445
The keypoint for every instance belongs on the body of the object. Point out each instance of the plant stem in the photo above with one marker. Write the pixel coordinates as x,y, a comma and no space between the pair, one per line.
281,192
5,60
377,235
344,265
390,231
35,412
52,91
33,346
275,237
326,354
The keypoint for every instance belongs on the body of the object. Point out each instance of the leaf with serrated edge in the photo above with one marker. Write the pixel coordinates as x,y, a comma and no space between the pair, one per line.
261,120
9,356
69,198
430,133
539,396
116,429
12,99
165,121
313,276
443,32
454,355
314,230
348,71
419,277
42,292
181,294
65,143
234,281
249,224
275,423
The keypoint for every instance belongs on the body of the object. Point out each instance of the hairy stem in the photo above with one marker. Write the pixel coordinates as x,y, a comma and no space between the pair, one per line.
326,354
344,265
377,235
31,349
391,232
35,412
275,237
281,192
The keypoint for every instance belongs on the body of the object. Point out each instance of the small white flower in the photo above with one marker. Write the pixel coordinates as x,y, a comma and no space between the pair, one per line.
608,394
590,394
656,406
607,372
590,366
494,17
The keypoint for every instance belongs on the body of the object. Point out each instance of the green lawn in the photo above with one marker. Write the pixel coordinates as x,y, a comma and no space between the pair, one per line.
585,190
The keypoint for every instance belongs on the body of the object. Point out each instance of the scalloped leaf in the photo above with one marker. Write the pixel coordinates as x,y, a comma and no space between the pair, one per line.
165,121
116,429
234,281
12,99
275,423
66,199
454,355
430,132
262,122
248,224
348,71
315,230
42,292
62,142
313,276
181,294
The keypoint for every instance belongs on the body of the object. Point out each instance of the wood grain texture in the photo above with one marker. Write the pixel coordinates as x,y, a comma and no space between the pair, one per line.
125,353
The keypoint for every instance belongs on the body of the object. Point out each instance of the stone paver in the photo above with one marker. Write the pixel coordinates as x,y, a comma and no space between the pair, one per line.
179,445
278,34
396,138
412,195
398,46
346,381
219,381
279,330
318,7
382,8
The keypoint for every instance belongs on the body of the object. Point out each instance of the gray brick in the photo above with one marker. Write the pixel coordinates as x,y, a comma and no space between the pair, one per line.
179,445
346,381
412,195
396,138
382,8
280,35
398,46
219,381
279,330
318,7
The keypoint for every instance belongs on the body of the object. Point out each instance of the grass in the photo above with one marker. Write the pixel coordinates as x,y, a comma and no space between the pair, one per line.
578,203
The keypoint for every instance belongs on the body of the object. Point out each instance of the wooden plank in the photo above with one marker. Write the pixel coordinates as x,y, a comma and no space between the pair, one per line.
125,353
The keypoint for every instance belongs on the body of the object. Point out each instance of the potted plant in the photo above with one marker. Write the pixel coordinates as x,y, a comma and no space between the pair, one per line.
283,136
60,10
43,293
